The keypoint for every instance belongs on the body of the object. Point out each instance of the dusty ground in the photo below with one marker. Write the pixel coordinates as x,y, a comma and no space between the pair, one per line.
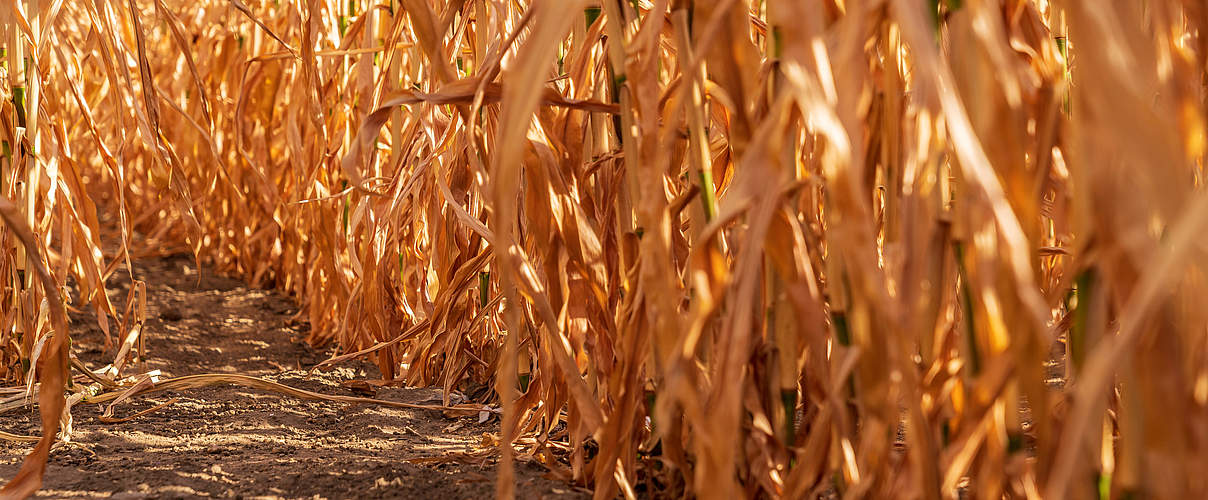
234,442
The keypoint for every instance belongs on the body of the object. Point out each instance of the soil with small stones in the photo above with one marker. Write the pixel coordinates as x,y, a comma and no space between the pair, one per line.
236,442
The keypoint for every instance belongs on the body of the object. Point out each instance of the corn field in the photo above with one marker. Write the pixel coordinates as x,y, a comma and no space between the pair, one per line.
733,248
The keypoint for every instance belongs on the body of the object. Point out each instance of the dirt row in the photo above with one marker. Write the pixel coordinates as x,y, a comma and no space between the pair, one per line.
234,442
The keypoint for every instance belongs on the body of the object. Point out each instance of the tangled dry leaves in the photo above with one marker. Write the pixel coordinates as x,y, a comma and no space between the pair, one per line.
865,248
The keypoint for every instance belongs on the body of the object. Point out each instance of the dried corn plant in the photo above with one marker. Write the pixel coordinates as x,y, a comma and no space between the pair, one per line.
855,248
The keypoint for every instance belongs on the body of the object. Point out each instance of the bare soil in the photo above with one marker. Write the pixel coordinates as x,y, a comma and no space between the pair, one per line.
234,442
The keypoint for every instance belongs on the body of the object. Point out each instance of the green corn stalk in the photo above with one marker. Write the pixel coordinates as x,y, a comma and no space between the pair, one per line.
933,9
19,104
788,398
590,15
1076,344
347,204
1103,483
842,332
967,306
524,379
344,17
484,288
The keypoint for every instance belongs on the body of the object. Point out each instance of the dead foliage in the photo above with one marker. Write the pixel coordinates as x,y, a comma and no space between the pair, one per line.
865,248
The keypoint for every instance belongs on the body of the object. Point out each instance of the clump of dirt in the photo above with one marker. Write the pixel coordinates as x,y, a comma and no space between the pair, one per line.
234,442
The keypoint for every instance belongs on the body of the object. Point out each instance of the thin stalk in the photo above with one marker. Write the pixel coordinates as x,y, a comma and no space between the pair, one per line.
700,168
967,307
34,172
1077,342
16,81
484,288
623,126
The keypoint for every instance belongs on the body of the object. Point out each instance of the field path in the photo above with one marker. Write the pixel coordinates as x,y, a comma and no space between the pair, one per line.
234,442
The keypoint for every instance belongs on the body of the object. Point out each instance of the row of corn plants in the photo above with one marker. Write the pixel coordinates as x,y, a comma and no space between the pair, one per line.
731,248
